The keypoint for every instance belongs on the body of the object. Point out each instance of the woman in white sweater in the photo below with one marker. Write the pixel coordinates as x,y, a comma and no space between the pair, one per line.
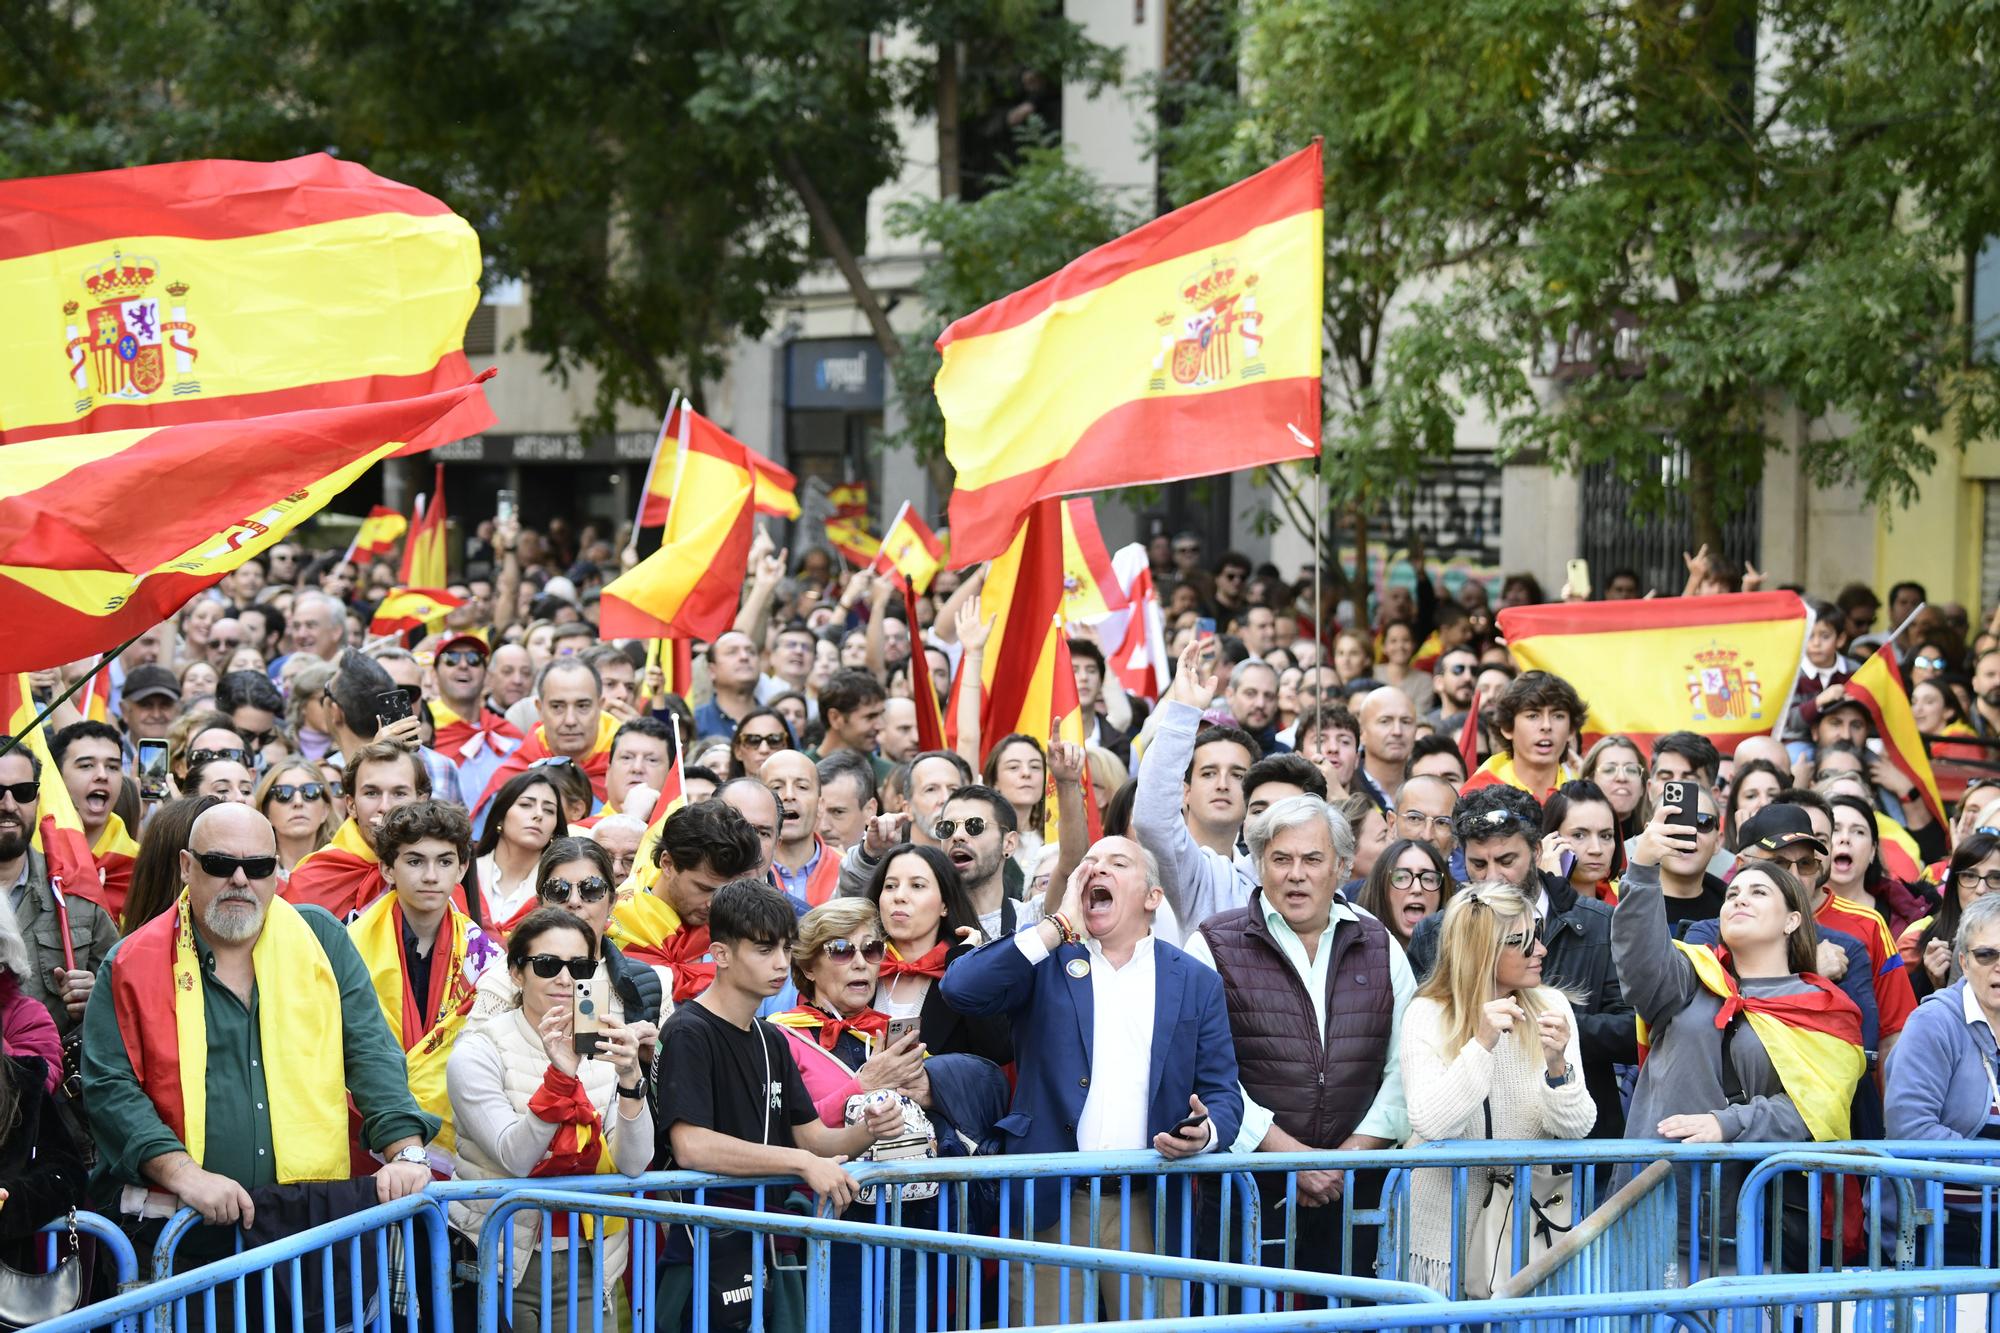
527,1104
1484,1035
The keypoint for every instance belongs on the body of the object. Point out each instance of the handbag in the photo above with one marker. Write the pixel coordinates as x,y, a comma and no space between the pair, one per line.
1489,1241
27,1299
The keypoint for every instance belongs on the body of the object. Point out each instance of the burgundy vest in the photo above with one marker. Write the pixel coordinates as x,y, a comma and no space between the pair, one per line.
1318,1089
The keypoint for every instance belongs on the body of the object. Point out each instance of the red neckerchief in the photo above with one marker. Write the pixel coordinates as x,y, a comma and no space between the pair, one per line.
930,965
685,952
579,1140
869,1022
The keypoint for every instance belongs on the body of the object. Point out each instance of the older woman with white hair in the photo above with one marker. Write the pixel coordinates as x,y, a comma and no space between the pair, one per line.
41,1173
1943,1077
26,1028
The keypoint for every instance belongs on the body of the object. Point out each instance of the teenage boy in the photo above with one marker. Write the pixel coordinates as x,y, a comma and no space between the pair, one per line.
730,1099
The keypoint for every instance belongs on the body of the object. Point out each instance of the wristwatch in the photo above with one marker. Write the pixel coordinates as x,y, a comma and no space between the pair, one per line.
1554,1081
637,1094
415,1156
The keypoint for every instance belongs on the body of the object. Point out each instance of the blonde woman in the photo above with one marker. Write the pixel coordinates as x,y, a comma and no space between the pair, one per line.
300,804
1488,1052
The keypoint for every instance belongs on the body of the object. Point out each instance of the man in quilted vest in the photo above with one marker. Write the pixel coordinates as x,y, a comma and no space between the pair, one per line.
1316,990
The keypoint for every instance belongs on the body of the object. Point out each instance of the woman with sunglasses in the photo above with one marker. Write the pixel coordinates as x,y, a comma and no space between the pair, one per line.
1488,1052
1618,767
1927,943
527,813
762,733
1942,1080
1409,882
575,875
525,1103
841,1044
928,923
298,802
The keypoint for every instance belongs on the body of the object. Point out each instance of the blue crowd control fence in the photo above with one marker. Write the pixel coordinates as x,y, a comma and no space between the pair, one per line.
1643,1228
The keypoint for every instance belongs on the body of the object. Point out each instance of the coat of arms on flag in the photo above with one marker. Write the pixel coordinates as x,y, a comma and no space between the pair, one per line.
118,348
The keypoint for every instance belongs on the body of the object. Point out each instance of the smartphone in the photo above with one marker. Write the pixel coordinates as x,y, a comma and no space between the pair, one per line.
900,1028
1192,1122
1204,629
1568,860
504,507
393,706
153,769
1685,800
585,1020
1579,578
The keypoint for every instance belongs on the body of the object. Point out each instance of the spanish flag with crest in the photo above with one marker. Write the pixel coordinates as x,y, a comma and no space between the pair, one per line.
90,556
1188,347
217,290
910,551
1735,658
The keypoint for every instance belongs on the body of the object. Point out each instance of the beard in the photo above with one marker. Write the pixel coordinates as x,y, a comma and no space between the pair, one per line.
234,920
1991,698
13,842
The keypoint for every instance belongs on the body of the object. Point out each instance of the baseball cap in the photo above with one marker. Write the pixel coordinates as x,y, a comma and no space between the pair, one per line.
462,641
1777,826
145,681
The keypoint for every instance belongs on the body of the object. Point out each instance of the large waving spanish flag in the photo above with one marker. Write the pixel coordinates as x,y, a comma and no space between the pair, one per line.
1878,685
1189,347
1722,666
103,536
910,551
1024,592
200,291
776,489
689,588
58,833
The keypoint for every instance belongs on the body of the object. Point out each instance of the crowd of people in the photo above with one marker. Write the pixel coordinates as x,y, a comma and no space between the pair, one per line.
398,912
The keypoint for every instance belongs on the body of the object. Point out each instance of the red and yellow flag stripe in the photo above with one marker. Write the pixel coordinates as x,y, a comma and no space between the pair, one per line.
910,551
690,587
1878,684
58,833
377,535
1024,591
1188,347
200,291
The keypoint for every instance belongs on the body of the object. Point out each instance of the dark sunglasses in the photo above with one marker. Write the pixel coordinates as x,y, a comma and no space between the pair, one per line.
547,965
285,791
236,643
842,951
554,761
24,793
973,827
221,865
198,757
762,740
257,740
461,657
1459,669
1985,957
1706,823
590,890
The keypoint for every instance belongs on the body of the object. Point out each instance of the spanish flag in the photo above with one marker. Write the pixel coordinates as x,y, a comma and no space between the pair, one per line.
1069,725
343,877
115,850
850,500
90,555
850,537
1090,588
1189,347
1722,666
425,564
1024,591
673,795
58,833
690,587
1878,686
674,660
217,290
910,551
412,608
377,535
1813,1040
776,488
94,702
923,691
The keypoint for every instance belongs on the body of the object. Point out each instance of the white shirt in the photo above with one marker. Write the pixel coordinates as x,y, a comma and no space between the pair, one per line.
502,900
1121,1045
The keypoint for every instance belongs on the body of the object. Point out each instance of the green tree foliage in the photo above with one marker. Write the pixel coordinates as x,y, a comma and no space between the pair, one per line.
1698,215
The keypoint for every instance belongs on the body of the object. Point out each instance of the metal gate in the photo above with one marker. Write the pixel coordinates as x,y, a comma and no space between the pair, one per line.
1613,536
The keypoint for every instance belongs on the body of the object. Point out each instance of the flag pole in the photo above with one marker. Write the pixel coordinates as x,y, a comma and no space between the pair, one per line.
1890,641
9,743
1319,599
646,486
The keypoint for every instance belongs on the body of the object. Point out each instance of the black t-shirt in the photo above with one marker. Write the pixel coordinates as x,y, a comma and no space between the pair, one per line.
713,1075
1705,906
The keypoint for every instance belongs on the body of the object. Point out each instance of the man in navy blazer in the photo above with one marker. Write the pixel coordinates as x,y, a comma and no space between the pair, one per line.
1121,1042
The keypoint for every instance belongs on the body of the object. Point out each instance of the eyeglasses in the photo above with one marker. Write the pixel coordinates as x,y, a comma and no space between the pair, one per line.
24,793
973,827
591,890
222,865
285,791
553,761
237,643
1429,880
1621,770
198,757
547,965
762,740
461,657
1417,819
1934,663
1988,882
1459,669
1803,866
1706,823
843,951
1985,956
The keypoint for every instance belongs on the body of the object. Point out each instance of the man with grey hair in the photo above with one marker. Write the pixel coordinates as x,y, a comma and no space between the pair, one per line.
317,626
1316,990
233,962
620,835
1253,701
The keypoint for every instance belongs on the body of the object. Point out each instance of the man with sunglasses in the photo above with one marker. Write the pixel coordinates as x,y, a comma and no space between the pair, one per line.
1452,678
61,984
976,828
424,955
1499,828
229,963
470,732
